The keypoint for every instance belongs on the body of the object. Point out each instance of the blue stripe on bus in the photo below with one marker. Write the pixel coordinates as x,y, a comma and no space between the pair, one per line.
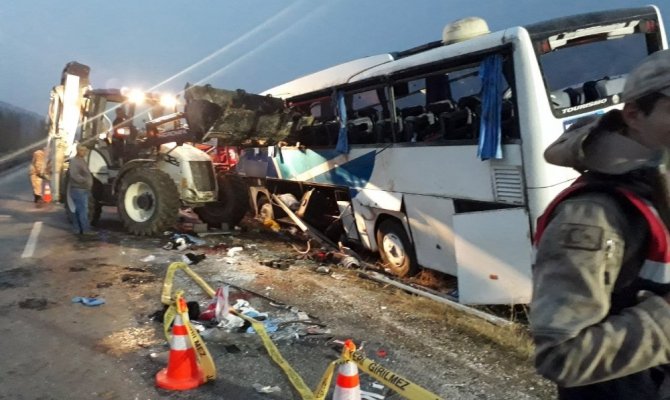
355,173
292,163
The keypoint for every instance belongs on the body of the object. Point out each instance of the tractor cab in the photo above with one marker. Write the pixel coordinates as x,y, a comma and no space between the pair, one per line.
120,115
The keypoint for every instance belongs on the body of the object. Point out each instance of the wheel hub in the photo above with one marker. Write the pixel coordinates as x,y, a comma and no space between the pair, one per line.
393,247
139,202
145,201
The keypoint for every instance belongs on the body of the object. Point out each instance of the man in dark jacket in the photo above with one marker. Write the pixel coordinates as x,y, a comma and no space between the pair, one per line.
600,316
80,184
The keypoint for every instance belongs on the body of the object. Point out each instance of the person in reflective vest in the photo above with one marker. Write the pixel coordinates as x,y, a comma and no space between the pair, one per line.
38,173
600,312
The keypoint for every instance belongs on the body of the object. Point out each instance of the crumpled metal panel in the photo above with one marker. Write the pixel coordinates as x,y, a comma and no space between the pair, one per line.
246,118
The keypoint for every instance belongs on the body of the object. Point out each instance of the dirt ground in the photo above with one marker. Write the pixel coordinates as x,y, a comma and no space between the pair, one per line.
54,349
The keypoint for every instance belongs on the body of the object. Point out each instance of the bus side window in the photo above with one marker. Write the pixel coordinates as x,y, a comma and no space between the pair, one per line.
416,122
363,116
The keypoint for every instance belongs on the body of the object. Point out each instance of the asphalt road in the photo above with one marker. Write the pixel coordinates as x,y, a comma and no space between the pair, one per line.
51,348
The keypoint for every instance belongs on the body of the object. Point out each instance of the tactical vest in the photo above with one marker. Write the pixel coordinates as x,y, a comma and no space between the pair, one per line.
653,275
656,266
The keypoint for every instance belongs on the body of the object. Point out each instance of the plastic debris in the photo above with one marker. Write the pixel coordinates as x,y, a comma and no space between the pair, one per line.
266,389
192,259
89,301
350,262
230,322
371,396
148,258
323,270
277,264
270,327
233,251
290,200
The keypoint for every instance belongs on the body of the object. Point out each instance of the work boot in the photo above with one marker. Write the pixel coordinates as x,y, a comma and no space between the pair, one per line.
38,199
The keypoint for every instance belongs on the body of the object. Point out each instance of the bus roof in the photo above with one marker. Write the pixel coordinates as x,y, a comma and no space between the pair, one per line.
333,76
440,53
385,64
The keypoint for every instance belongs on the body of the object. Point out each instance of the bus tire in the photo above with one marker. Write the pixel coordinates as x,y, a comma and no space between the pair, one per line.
148,201
233,202
395,249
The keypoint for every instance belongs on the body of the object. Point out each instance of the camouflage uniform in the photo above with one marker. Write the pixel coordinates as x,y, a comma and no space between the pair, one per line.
601,325
601,331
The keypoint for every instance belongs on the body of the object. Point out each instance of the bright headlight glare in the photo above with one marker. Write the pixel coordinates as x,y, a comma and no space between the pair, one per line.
136,97
168,101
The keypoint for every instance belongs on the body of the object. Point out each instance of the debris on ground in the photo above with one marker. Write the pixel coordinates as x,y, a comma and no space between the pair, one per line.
192,259
148,258
233,251
277,264
322,269
89,301
266,389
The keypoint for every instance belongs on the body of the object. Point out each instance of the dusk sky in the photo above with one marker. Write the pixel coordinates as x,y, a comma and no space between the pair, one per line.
249,44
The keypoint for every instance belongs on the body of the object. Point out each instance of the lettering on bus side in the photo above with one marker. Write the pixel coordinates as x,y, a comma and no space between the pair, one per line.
583,106
388,376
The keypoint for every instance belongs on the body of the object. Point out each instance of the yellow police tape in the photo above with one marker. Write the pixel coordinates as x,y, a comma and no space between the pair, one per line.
205,359
390,379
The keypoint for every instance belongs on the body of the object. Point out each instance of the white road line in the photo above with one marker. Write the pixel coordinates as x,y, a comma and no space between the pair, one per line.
32,240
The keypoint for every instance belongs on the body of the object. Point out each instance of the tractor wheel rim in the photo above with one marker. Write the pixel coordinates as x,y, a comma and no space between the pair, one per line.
140,202
394,249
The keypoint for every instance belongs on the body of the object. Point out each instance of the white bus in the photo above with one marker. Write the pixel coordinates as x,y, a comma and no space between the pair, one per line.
433,156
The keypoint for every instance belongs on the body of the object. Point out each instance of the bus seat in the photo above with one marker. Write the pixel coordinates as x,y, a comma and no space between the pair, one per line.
384,131
458,124
464,122
413,111
360,131
560,99
444,106
474,103
332,132
590,91
610,86
369,112
576,96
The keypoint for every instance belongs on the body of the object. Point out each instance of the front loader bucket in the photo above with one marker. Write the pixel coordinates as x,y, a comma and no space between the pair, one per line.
246,118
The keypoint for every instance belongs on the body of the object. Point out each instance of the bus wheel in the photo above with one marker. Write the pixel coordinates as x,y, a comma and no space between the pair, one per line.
395,249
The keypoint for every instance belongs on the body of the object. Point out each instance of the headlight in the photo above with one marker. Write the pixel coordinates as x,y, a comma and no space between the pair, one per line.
136,97
168,101
123,131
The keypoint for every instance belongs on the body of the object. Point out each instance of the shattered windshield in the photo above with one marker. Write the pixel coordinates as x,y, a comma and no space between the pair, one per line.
591,71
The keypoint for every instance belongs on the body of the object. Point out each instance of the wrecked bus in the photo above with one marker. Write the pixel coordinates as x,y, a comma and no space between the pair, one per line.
433,156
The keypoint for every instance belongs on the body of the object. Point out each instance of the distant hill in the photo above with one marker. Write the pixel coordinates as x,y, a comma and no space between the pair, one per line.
19,127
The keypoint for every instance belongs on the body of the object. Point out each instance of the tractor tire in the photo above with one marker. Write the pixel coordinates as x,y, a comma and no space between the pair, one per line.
395,249
148,201
233,202
94,206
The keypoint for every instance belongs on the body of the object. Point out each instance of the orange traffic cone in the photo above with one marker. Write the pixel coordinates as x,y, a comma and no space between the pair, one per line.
46,193
182,372
347,385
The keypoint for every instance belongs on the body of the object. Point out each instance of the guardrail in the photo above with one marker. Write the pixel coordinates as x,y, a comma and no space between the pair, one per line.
20,156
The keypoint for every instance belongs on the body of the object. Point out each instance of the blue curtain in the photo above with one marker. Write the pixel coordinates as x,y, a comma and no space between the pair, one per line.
342,140
492,91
